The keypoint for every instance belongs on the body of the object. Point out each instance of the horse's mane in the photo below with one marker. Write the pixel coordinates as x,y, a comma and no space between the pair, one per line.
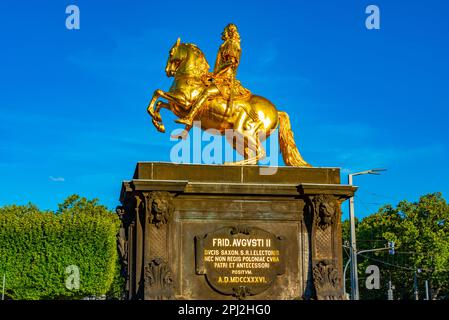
195,48
197,51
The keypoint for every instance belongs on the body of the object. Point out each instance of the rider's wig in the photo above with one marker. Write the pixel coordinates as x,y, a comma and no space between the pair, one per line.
231,32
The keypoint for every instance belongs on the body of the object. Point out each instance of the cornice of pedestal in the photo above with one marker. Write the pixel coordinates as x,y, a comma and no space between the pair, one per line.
238,188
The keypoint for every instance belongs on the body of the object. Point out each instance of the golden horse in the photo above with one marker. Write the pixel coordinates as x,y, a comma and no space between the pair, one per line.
189,67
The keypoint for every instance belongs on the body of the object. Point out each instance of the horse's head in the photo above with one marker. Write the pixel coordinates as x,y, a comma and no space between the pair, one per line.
187,59
175,57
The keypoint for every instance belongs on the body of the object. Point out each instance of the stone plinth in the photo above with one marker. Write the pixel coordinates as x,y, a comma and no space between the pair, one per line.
228,232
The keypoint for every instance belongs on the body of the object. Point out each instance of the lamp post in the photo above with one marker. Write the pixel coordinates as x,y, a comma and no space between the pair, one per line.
353,247
3,290
359,252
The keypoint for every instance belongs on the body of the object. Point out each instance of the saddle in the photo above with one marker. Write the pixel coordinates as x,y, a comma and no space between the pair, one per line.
239,92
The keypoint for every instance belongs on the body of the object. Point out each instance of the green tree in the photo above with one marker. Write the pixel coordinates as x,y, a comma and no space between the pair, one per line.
420,231
36,247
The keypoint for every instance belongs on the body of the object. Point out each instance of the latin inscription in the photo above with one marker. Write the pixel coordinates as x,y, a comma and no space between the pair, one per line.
231,259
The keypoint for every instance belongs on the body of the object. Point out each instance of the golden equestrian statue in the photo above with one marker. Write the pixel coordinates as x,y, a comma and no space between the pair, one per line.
218,101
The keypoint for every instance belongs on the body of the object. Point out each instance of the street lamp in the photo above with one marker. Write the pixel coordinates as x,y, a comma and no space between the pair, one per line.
390,247
353,247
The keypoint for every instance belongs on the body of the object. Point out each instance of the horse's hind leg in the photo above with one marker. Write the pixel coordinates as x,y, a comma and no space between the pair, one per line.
253,152
247,141
249,146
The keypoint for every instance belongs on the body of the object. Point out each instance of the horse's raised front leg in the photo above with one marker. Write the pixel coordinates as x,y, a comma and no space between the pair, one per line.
155,115
150,108
171,97
157,110
159,105
157,120
162,94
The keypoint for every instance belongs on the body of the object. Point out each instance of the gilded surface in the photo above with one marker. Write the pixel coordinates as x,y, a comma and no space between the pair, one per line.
217,100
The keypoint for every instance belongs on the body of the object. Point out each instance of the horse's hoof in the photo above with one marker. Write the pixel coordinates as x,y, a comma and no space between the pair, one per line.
159,126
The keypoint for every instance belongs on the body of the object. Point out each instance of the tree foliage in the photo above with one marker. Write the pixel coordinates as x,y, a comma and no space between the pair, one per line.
420,231
36,247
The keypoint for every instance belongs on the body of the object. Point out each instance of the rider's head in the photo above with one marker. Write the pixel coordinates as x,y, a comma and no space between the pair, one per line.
230,32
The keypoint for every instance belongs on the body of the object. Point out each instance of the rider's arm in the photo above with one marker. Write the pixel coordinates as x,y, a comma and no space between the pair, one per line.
231,63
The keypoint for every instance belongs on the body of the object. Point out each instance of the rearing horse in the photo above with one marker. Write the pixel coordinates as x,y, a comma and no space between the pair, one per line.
251,117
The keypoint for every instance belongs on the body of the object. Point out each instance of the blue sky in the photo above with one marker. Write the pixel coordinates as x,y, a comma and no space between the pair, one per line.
73,102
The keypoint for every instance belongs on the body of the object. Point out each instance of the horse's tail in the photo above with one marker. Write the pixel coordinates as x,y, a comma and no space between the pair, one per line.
289,151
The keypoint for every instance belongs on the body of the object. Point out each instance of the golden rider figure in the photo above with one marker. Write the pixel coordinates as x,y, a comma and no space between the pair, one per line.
222,81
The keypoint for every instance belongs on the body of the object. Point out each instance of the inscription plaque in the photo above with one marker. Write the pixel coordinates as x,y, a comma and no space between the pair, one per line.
239,261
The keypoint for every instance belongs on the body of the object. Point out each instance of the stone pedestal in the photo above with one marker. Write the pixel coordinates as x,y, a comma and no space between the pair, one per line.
228,232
